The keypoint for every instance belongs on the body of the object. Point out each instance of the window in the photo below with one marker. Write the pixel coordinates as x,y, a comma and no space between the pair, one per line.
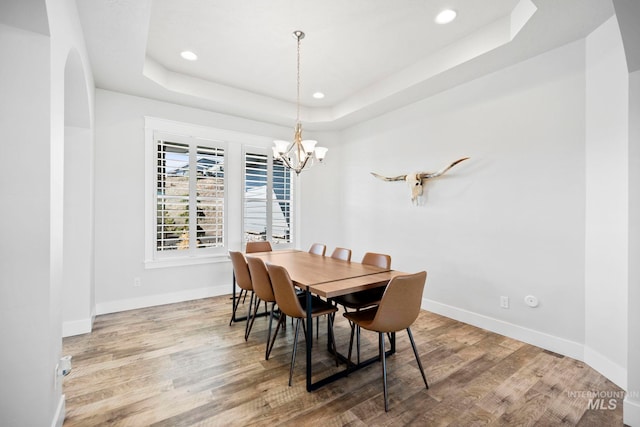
190,195
208,190
268,199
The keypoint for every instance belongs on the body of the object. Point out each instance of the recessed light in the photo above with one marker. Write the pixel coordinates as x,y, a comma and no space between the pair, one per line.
446,16
318,95
188,55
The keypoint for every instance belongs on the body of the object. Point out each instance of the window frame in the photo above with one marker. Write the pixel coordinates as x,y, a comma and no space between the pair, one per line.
235,143
193,137
293,201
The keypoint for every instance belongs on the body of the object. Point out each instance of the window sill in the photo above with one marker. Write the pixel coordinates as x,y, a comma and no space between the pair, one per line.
185,261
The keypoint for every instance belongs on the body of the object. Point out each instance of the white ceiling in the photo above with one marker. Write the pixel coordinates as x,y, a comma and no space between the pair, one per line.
367,56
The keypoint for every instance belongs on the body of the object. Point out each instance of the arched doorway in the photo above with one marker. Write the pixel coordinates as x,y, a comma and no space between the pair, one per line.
78,237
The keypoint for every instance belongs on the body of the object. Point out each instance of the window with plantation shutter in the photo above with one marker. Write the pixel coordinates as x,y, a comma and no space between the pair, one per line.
190,195
268,200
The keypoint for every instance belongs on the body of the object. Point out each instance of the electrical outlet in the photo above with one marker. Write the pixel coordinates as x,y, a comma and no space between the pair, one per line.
504,302
137,282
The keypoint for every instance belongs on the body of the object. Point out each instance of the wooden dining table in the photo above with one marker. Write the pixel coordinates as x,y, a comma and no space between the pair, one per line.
328,277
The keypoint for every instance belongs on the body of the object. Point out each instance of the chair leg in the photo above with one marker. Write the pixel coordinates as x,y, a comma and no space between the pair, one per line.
250,323
281,321
269,343
246,327
383,358
415,352
295,348
235,307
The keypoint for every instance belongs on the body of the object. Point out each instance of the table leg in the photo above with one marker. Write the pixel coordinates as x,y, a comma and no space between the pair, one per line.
309,338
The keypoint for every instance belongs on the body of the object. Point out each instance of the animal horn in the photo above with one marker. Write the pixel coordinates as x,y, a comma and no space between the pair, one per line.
427,175
388,178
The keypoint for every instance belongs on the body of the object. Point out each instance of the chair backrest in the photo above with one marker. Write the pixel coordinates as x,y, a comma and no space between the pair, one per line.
379,260
261,246
260,279
284,291
318,249
241,270
341,253
400,304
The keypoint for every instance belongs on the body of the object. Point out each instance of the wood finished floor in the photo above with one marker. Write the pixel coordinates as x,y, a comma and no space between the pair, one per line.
183,365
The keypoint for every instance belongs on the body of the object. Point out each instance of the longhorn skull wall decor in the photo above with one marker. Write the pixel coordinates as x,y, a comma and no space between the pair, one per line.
416,180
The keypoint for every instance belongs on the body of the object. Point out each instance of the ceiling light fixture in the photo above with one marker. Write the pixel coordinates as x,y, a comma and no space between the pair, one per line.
446,16
188,55
298,154
318,95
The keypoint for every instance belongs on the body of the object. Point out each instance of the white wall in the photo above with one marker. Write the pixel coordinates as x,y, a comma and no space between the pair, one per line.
120,207
27,355
607,199
32,118
632,401
509,221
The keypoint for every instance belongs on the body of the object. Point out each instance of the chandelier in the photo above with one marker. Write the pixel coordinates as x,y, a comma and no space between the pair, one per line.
299,154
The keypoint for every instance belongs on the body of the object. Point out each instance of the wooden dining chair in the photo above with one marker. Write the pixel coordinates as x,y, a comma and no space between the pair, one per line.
289,303
260,246
318,249
243,280
264,292
398,309
341,253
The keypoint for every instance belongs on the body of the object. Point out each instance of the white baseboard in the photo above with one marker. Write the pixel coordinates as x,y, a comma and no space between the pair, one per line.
614,372
153,300
76,327
58,418
631,413
530,336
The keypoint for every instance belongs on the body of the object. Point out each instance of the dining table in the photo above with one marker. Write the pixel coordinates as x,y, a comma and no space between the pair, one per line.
328,278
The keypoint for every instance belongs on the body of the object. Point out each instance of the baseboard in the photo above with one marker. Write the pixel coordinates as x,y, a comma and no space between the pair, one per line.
631,413
58,418
530,336
161,299
76,327
614,372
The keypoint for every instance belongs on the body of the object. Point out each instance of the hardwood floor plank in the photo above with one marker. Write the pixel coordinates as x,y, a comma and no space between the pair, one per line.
183,365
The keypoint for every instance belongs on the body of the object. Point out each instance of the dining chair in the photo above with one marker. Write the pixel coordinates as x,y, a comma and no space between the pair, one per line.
398,309
341,253
243,280
318,249
289,304
370,297
264,292
260,246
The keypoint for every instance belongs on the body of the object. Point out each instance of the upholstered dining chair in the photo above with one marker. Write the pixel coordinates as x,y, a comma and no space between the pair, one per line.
318,249
289,304
370,297
264,292
243,280
398,309
260,246
341,253
363,299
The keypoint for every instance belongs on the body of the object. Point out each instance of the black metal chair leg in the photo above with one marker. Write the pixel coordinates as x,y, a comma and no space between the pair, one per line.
235,307
415,352
269,344
383,358
332,338
246,328
250,323
295,348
